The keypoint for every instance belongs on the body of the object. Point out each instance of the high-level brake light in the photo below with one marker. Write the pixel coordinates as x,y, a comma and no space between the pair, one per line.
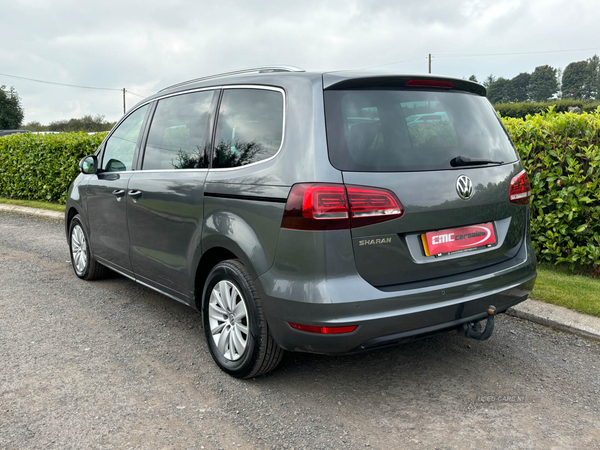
430,83
319,206
520,191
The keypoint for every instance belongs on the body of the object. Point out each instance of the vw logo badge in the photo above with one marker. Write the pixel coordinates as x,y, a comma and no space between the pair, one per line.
464,187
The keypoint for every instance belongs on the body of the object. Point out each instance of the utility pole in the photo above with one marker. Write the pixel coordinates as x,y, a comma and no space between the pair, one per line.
124,88
429,64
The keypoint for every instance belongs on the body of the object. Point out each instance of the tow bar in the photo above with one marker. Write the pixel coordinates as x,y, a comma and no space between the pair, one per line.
473,329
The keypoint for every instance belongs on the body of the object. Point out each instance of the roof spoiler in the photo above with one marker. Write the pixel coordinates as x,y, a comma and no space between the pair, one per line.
341,81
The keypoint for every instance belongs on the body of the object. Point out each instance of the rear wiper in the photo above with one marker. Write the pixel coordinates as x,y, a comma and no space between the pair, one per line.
466,161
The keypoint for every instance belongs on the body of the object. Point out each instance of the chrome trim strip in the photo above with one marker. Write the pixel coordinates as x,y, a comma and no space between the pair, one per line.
111,267
233,86
162,292
168,170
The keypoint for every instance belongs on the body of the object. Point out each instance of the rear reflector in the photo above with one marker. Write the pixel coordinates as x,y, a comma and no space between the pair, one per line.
520,190
319,206
322,330
430,83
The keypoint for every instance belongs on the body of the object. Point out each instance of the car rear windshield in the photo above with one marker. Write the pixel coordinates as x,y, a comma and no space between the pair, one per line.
411,130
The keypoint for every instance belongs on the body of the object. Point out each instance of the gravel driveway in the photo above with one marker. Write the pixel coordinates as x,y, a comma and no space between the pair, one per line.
111,364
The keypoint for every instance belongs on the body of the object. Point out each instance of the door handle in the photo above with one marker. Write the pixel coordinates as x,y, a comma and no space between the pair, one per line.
119,193
135,195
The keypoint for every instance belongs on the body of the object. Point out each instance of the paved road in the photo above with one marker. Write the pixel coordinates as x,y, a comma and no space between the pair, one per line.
111,364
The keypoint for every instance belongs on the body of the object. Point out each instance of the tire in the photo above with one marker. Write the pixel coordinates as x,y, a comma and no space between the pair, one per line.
258,353
84,264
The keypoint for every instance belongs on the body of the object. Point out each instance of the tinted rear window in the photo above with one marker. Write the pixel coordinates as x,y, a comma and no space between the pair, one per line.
409,130
249,127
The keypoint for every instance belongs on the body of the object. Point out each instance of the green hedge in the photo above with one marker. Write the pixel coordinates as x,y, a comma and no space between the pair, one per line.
561,154
41,166
523,109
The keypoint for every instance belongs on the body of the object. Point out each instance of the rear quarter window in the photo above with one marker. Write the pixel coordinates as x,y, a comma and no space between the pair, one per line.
410,130
249,127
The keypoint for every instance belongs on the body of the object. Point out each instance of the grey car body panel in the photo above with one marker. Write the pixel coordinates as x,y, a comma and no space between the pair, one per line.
320,277
411,307
165,226
108,232
430,204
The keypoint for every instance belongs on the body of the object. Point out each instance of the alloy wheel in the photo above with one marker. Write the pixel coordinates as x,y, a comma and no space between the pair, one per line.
79,249
228,320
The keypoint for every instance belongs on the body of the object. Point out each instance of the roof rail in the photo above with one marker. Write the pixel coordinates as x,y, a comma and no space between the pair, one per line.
266,69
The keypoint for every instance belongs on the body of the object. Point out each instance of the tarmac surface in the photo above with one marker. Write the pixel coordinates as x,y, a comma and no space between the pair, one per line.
112,364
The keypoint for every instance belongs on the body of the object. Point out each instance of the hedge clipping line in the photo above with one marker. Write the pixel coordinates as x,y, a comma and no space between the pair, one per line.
524,109
41,166
560,151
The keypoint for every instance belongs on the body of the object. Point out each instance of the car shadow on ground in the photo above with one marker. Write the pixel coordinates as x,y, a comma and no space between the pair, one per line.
441,360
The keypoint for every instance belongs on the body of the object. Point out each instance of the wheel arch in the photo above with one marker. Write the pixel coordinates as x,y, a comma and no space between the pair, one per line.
71,212
219,249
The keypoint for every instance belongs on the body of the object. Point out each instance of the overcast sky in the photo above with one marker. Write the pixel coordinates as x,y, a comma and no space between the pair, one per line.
146,45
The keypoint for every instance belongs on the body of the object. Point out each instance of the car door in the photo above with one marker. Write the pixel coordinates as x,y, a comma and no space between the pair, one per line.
106,191
165,197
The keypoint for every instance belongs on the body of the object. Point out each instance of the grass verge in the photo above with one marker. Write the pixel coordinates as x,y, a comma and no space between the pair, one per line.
560,287
34,204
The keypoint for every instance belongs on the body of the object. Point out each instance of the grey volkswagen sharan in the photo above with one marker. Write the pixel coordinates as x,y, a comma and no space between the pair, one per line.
319,212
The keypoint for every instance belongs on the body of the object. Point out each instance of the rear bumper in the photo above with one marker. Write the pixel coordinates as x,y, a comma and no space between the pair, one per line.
394,315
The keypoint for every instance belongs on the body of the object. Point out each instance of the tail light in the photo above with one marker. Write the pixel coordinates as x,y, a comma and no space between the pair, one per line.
317,206
520,191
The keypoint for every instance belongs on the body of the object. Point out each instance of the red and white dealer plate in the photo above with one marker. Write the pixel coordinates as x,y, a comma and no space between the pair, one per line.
458,239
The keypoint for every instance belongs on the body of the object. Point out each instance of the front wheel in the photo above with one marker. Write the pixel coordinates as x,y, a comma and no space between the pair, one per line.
236,330
84,264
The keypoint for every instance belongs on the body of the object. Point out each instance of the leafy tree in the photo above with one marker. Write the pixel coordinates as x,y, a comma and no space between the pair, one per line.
575,80
86,123
593,82
543,83
34,125
520,83
473,78
559,75
11,111
489,80
500,91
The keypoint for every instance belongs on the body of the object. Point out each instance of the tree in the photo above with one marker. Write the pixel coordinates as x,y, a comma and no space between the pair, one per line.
519,85
543,83
34,125
500,91
489,80
593,83
11,111
575,80
86,123
473,78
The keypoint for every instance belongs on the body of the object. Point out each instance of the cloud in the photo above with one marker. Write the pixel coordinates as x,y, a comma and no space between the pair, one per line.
144,46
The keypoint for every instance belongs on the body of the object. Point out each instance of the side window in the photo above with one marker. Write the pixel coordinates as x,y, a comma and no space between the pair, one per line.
179,133
249,127
120,147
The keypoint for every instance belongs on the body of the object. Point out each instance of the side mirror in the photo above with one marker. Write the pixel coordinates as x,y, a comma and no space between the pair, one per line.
89,165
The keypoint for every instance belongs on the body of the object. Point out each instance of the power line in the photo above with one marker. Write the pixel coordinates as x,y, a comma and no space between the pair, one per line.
460,55
128,91
60,84
69,85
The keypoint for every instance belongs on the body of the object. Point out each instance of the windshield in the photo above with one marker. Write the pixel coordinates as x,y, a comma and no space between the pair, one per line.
410,130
